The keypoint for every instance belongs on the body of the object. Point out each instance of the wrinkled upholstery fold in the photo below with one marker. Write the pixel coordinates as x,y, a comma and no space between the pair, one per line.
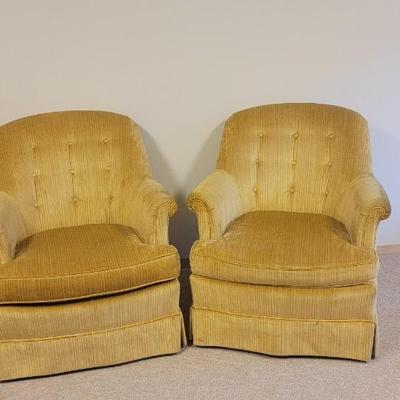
86,271
12,228
148,207
363,204
285,263
217,202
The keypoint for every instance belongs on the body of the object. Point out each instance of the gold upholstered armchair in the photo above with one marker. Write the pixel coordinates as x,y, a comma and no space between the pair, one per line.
87,277
286,261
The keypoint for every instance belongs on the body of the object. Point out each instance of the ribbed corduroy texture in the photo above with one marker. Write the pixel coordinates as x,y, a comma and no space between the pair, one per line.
292,208
344,303
319,252
81,216
84,261
80,167
332,322
284,337
12,228
294,157
43,340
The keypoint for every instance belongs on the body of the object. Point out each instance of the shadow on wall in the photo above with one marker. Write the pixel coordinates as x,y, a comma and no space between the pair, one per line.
385,163
203,164
183,226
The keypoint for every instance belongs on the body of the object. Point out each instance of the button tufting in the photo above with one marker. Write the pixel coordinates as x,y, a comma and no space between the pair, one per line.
260,134
34,175
296,135
292,189
326,193
36,205
71,171
331,136
69,144
105,140
257,161
75,199
254,189
294,162
330,163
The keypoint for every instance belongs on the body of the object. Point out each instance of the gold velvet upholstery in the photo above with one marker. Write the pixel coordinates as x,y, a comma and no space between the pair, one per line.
286,261
84,261
54,338
285,248
83,231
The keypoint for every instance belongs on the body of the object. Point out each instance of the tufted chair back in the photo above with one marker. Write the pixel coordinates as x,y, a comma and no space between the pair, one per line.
294,157
70,168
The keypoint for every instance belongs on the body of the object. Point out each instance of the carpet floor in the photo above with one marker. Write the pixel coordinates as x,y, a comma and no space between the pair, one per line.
207,373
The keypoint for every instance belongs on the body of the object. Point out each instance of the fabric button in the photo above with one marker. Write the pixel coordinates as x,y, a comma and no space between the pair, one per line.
257,161
254,189
36,205
331,136
75,199
71,171
296,135
69,144
294,162
260,134
330,163
105,140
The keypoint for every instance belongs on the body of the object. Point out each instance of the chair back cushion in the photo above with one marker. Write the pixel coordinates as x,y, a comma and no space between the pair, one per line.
67,168
294,157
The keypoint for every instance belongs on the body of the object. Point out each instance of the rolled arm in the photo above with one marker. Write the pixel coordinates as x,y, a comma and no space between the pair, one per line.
216,202
362,206
12,229
149,206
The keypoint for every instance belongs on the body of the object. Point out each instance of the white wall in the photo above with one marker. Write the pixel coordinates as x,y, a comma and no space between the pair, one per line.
180,67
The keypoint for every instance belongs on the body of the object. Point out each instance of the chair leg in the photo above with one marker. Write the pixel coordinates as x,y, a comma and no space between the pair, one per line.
184,339
375,346
190,326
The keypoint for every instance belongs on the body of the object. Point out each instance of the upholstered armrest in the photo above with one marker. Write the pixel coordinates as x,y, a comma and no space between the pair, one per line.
216,202
12,228
363,204
147,208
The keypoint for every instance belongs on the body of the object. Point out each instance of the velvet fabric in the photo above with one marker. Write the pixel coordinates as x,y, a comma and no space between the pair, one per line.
83,233
84,261
292,204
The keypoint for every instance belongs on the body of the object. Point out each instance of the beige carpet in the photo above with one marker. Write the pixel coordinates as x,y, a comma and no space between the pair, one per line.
205,373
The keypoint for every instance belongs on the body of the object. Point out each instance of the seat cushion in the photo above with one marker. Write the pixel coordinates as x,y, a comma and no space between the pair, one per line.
285,249
84,261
